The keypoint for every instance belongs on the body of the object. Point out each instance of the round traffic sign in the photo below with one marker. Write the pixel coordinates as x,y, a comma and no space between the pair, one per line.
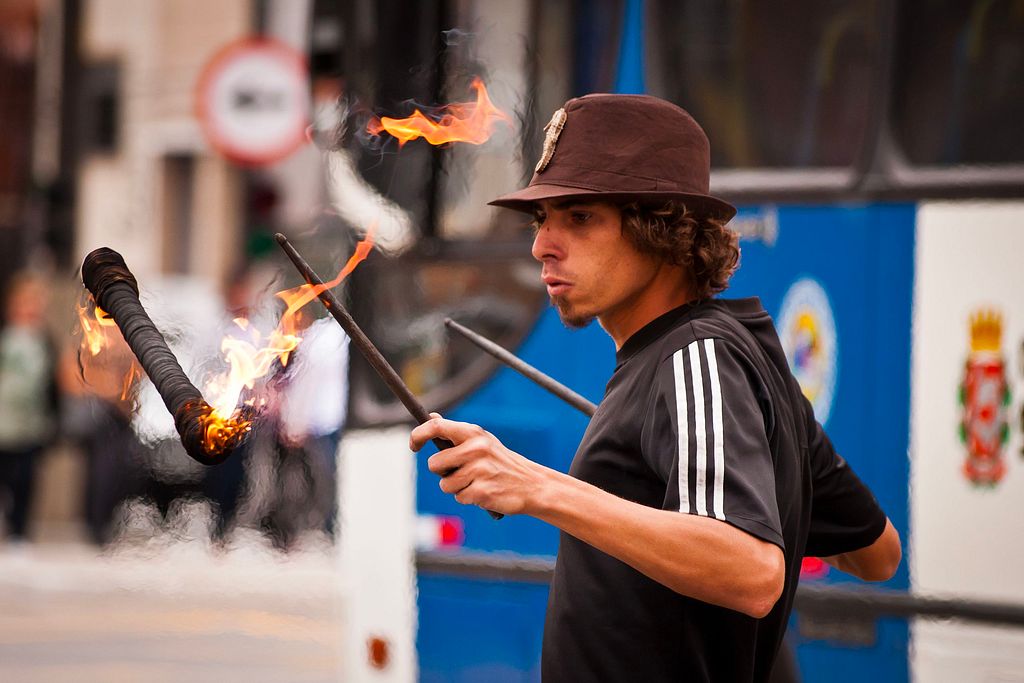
252,100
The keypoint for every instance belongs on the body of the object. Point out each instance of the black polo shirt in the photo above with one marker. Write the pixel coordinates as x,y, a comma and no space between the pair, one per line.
702,416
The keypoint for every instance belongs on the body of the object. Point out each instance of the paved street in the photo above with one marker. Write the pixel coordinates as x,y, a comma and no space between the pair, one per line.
168,610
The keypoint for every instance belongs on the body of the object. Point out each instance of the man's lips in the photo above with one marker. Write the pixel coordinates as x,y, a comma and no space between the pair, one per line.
555,286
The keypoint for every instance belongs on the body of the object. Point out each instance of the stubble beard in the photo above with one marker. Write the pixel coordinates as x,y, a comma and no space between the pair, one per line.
573,319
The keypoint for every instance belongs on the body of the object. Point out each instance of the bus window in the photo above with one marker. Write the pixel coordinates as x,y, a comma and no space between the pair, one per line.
597,34
958,96
774,84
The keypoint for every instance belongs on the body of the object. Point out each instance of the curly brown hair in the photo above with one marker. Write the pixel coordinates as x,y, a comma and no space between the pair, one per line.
708,249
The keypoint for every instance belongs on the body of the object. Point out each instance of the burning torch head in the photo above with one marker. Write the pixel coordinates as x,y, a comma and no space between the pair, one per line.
207,436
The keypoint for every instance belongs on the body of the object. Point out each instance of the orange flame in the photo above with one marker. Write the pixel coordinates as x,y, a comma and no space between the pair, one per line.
100,334
250,359
471,122
96,328
129,381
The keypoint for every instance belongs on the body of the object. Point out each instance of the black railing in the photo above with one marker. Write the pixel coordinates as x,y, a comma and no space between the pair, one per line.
825,603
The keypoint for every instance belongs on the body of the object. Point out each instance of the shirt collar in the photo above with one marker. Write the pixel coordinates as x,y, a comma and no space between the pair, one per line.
666,321
651,331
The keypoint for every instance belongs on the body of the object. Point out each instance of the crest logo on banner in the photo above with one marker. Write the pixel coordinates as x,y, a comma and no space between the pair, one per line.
807,330
985,402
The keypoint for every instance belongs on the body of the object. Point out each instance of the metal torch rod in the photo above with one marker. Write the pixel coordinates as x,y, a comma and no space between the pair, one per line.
363,343
525,369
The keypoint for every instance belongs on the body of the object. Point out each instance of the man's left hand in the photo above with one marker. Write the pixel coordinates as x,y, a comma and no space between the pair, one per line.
479,470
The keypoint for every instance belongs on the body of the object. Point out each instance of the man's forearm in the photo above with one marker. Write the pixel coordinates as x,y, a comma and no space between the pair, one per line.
696,556
876,562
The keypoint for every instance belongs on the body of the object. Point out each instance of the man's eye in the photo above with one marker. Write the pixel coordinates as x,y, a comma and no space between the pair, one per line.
580,217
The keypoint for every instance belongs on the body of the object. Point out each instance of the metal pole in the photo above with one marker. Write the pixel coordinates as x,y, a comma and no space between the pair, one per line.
363,343
525,369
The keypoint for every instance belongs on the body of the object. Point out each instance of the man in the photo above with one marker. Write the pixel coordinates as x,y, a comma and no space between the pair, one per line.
703,479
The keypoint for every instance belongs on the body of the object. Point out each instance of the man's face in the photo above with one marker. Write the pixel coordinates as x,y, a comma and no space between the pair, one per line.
589,268
26,306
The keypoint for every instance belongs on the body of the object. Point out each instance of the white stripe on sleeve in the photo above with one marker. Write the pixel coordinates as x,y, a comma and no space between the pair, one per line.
683,425
700,428
716,424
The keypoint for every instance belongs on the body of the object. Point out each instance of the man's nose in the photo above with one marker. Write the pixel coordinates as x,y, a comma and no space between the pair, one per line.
546,246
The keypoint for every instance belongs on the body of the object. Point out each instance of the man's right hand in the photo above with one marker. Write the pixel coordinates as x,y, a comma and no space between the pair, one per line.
479,469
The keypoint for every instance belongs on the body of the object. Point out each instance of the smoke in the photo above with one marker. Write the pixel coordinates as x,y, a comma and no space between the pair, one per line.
406,190
455,37
359,203
523,113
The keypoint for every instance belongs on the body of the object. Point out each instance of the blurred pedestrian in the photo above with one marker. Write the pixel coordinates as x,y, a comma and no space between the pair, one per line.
28,395
224,484
312,411
96,414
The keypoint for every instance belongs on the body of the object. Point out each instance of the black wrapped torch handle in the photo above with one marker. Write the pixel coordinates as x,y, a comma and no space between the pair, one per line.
116,291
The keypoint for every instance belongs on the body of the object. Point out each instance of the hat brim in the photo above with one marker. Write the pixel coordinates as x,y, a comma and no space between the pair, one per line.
525,199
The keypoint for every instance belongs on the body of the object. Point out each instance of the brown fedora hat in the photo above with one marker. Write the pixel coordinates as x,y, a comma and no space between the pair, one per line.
623,148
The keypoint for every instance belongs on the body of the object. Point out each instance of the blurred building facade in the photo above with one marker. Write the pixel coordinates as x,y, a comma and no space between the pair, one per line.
101,145
30,78
156,188
150,186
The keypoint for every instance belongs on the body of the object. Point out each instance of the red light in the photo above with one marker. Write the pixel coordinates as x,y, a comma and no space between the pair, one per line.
813,568
378,652
452,531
